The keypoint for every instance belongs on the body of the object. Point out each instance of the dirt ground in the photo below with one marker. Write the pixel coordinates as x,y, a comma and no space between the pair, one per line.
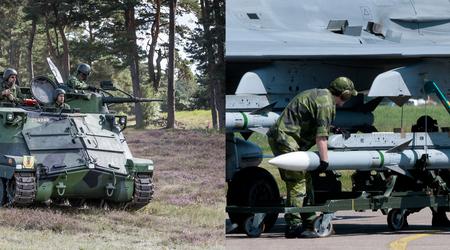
187,211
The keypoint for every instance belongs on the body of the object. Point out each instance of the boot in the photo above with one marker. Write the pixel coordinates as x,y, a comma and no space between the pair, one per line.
308,233
293,231
440,218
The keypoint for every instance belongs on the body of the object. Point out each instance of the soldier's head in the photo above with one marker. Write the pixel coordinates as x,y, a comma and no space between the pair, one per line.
343,89
83,71
60,96
10,76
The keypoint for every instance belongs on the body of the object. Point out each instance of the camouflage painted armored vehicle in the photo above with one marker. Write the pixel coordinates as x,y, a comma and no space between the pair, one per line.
78,155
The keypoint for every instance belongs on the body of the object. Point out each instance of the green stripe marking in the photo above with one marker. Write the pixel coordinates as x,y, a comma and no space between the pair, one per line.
382,158
245,120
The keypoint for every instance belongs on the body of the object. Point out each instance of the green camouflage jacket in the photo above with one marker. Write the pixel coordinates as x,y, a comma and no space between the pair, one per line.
60,107
306,117
15,93
74,83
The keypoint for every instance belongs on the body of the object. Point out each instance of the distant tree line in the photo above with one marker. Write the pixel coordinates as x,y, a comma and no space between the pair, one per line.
126,41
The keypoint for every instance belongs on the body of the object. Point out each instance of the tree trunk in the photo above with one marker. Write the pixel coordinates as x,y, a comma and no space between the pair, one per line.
62,58
154,77
30,50
14,50
213,103
91,39
65,58
171,68
219,73
205,8
133,59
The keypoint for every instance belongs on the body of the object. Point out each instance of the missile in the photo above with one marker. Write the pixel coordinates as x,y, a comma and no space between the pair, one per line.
364,160
241,121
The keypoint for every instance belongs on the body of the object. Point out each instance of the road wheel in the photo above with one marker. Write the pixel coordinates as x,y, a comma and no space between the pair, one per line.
77,203
2,192
397,219
254,187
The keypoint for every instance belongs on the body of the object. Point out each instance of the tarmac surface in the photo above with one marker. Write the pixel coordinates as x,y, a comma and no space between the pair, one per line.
354,230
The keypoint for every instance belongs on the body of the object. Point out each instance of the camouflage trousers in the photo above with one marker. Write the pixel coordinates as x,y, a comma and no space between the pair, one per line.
299,189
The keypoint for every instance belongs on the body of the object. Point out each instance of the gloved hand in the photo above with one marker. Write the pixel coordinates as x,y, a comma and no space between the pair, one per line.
322,167
345,133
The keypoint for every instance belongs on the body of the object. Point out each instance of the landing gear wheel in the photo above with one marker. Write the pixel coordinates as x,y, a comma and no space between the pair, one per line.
253,187
323,230
252,230
2,192
397,219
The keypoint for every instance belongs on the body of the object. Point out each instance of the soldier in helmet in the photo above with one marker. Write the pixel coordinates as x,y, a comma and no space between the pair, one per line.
10,91
60,100
304,122
79,81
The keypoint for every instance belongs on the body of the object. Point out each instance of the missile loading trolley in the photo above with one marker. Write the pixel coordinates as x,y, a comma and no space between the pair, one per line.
78,156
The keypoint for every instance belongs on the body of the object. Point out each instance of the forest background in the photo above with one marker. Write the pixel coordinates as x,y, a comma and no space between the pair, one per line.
128,42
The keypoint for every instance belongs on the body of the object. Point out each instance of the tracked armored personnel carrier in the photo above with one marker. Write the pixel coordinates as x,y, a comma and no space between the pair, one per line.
77,156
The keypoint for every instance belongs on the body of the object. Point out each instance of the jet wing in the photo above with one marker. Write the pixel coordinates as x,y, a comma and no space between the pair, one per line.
290,29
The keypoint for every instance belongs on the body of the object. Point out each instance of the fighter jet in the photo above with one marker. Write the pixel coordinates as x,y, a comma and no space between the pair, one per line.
276,49
397,49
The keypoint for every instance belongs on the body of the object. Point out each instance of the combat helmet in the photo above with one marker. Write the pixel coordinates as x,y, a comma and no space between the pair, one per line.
8,72
59,91
84,68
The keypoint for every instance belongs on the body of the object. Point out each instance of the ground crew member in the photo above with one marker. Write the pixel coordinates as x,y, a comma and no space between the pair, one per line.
10,91
426,123
60,100
79,81
305,122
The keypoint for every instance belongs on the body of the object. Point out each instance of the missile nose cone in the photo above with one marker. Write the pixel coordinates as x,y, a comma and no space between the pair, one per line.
296,161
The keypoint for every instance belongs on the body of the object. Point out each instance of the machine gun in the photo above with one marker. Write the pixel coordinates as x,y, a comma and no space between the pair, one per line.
106,86
114,99
93,100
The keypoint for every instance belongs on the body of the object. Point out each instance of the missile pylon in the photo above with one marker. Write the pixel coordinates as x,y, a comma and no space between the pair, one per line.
364,160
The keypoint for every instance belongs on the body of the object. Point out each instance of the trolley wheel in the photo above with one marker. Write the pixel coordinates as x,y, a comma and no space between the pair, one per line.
252,230
397,219
322,230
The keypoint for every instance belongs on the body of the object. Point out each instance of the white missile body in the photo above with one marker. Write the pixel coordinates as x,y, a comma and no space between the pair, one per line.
236,121
364,160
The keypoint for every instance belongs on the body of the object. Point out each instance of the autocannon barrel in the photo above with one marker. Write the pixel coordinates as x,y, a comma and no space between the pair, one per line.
111,99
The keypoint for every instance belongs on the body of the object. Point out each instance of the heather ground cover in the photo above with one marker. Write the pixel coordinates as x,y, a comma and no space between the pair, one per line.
187,211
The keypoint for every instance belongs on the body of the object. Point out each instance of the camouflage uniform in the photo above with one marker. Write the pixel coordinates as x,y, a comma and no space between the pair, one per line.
16,95
61,107
306,117
74,83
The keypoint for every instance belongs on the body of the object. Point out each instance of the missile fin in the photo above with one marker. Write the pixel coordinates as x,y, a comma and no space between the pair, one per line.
399,148
264,109
260,130
396,168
